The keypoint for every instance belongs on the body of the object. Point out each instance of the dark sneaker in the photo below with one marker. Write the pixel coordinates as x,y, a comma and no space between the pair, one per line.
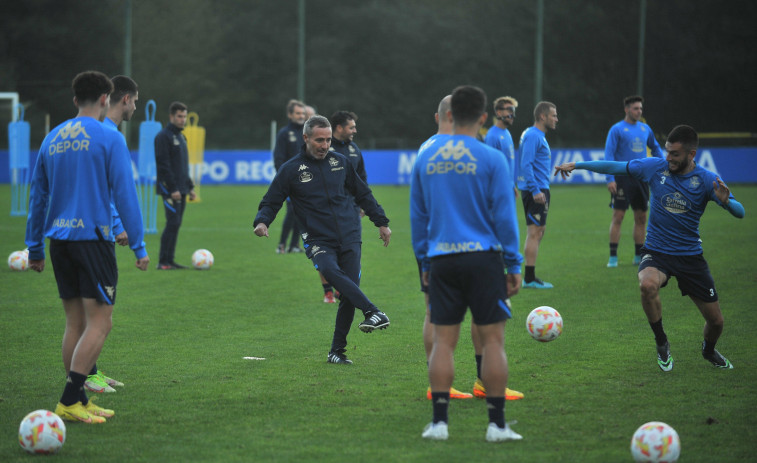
717,359
664,359
374,321
339,358
166,267
178,266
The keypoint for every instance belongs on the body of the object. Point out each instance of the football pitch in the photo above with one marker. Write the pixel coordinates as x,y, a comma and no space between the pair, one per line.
230,364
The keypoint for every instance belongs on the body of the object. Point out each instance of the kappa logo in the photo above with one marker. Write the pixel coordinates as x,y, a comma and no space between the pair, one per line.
333,162
105,229
316,248
303,167
110,290
70,131
292,137
176,141
304,236
352,149
449,159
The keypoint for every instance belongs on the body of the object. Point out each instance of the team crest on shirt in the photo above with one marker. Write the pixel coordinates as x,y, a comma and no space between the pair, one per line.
333,162
306,177
694,182
676,203
292,137
352,149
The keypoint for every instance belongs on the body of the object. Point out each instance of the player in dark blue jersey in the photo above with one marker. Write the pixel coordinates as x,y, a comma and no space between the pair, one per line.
344,126
628,140
288,145
533,182
76,217
462,213
498,136
173,182
680,191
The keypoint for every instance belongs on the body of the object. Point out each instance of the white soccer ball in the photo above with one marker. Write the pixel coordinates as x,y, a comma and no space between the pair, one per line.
42,431
19,260
202,259
655,442
544,324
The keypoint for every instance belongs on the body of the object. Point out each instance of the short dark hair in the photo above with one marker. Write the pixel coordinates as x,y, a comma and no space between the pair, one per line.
632,99
342,117
293,104
88,86
122,86
175,107
313,123
468,104
685,135
542,107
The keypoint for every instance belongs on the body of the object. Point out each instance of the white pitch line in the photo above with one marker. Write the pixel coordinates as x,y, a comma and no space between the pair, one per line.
253,358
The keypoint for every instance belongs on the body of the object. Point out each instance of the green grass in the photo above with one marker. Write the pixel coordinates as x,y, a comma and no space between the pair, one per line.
179,339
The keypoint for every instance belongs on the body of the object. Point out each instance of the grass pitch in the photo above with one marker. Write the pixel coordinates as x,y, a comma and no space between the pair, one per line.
179,340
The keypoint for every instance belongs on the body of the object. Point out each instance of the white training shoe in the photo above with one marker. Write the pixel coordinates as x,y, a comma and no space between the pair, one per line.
436,431
496,434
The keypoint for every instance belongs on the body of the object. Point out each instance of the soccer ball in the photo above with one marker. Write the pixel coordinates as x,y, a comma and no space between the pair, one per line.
655,442
42,431
202,259
544,324
19,260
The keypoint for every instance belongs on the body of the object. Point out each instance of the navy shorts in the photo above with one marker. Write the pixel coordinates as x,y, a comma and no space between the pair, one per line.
475,280
692,273
631,192
424,288
536,214
85,269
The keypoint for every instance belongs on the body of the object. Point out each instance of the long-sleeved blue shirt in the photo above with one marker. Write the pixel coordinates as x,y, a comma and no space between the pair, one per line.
320,193
82,166
462,200
626,142
501,140
677,202
535,161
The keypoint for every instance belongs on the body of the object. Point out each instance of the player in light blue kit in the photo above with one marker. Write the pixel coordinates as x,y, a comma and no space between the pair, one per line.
533,182
680,191
82,166
498,136
626,141
462,213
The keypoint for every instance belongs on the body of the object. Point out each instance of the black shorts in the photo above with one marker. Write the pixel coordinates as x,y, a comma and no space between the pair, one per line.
85,269
631,192
424,288
475,280
692,273
536,214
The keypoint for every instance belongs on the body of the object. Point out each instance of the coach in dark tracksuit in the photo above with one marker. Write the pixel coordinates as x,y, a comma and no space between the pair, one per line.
288,143
173,183
317,182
